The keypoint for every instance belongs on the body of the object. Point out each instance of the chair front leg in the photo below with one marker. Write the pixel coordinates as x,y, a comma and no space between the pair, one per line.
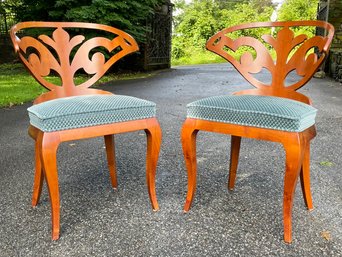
110,151
48,143
154,136
305,178
294,150
38,176
188,137
234,160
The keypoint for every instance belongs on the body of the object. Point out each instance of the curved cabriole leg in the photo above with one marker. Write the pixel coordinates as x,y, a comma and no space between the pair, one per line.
305,178
188,137
48,143
294,150
234,160
110,151
154,135
38,176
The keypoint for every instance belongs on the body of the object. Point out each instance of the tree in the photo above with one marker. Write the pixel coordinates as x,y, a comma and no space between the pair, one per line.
229,4
203,18
129,16
298,10
261,5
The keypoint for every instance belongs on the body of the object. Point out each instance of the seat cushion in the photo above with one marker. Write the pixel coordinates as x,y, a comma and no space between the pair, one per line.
254,110
88,110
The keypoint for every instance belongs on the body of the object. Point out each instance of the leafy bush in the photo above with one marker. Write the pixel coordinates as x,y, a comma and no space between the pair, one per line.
129,16
203,18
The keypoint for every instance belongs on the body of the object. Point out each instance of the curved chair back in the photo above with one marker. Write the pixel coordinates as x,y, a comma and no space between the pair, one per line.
62,48
280,52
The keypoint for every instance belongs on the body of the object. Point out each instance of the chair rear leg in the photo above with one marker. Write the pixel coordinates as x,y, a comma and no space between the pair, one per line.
234,160
294,150
188,137
38,176
305,178
110,151
154,136
49,144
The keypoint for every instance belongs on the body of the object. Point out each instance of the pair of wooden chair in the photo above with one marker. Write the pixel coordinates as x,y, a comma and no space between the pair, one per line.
273,111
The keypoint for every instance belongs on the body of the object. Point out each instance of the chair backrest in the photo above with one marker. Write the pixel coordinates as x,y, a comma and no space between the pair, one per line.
65,48
279,52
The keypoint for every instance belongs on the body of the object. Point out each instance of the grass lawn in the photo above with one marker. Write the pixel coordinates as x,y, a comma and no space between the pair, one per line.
17,86
199,57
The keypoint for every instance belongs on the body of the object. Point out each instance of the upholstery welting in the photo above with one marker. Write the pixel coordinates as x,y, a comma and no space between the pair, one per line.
88,110
255,110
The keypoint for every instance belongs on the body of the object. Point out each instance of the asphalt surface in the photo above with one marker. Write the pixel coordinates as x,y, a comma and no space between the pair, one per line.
98,221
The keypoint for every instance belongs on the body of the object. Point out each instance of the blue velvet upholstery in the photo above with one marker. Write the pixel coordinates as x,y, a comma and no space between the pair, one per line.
254,110
88,110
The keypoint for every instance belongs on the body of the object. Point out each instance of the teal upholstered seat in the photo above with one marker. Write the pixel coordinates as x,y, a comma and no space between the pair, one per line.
88,110
255,110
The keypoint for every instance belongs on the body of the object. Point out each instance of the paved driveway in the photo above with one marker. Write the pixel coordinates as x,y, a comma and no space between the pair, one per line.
97,221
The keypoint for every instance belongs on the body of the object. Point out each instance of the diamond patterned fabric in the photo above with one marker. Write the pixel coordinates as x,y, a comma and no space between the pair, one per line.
89,110
254,110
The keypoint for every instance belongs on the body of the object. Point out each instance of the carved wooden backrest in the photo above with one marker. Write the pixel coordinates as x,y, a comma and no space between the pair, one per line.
60,48
292,53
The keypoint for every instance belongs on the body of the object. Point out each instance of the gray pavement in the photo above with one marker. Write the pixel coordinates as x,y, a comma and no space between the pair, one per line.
98,221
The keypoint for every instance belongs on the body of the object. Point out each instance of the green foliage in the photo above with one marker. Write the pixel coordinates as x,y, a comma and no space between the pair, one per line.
292,10
129,16
326,163
201,19
260,5
298,10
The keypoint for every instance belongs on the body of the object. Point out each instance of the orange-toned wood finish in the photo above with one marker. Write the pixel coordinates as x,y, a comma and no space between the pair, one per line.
69,55
292,54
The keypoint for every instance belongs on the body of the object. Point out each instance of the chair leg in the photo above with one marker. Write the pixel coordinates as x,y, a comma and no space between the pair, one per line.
38,176
110,150
305,178
234,160
48,143
294,157
188,137
154,135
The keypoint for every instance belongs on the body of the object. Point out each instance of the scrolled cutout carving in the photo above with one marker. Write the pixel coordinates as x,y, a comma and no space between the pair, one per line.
65,54
292,53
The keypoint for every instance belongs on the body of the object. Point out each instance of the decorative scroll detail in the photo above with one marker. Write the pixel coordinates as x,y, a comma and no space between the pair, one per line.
44,53
291,55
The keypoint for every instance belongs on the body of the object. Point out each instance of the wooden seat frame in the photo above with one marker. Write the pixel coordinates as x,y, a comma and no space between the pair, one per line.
296,144
40,63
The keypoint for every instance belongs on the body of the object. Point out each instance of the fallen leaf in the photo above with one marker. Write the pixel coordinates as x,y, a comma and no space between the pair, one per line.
326,163
326,235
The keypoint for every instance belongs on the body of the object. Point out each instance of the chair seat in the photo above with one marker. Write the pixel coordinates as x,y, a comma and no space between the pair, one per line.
256,111
88,110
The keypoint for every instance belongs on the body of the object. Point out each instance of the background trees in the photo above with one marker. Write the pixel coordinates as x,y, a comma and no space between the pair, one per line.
129,16
195,22
200,19
298,10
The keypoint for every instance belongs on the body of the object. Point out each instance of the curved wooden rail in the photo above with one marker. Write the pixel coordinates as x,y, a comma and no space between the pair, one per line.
293,53
65,54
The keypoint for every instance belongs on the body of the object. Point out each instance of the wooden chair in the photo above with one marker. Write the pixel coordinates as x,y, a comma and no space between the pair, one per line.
71,112
272,111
